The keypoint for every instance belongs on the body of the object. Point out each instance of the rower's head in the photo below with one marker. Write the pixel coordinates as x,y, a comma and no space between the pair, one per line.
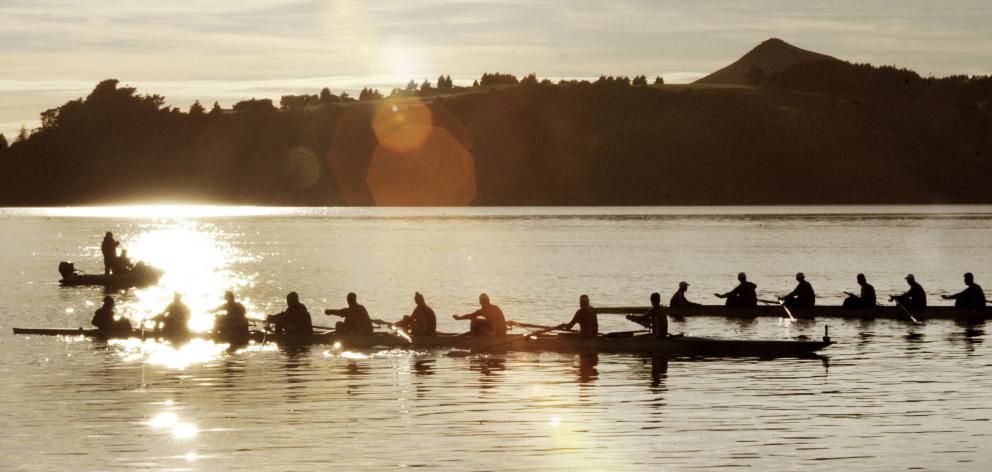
229,296
293,298
742,277
483,299
968,278
352,299
109,235
418,298
108,301
177,297
655,299
910,279
800,277
683,285
862,279
584,301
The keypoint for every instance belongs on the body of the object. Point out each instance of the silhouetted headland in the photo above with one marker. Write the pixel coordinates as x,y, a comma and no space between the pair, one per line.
780,126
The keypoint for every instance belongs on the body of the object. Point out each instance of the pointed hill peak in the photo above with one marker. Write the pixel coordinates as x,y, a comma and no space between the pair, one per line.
772,55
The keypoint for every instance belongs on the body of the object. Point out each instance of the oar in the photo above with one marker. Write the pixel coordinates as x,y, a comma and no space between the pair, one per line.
463,353
529,326
392,327
907,312
787,311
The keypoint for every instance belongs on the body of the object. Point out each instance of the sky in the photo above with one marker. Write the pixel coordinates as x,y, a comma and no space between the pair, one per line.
52,51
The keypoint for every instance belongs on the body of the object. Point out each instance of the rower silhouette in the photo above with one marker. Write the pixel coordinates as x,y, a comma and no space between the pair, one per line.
295,319
109,249
586,318
743,295
972,297
865,300
487,320
802,296
356,318
232,326
655,317
915,297
422,321
679,299
108,322
173,322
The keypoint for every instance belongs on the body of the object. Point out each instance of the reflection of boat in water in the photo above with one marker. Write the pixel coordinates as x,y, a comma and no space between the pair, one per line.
141,275
776,311
568,343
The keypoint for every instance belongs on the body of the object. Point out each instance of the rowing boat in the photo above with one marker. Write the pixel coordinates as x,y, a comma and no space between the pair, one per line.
142,275
568,343
894,312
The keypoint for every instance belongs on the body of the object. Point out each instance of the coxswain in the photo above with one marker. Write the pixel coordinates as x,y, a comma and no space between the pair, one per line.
107,322
356,318
422,322
867,297
915,297
295,319
655,317
802,296
109,249
678,298
232,325
971,297
173,322
487,320
743,295
586,318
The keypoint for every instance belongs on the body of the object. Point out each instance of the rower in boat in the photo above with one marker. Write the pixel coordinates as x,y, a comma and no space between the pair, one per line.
356,318
295,319
232,325
865,300
802,296
487,320
655,317
972,297
173,322
422,322
743,295
678,298
109,249
109,323
915,297
122,263
586,318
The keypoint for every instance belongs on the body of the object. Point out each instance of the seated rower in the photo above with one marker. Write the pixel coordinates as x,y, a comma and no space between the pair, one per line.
865,300
654,317
915,297
107,322
802,296
586,318
173,322
356,318
678,298
122,264
971,297
743,295
232,326
295,319
487,320
422,322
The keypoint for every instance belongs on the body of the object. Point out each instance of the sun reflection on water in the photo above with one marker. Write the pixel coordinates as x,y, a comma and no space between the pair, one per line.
196,351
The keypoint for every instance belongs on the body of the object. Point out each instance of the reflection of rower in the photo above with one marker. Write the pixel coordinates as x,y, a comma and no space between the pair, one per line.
487,320
107,322
865,300
232,326
174,320
971,297
356,318
422,322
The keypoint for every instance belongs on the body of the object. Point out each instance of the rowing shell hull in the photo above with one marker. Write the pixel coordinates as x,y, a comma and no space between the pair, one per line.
932,313
644,344
135,278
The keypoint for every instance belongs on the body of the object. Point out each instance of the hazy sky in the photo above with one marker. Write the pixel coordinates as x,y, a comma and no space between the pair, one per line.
55,50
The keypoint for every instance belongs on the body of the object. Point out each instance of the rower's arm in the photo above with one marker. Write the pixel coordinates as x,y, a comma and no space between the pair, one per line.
336,312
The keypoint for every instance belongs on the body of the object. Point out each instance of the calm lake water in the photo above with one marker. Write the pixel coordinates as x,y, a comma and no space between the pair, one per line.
888,396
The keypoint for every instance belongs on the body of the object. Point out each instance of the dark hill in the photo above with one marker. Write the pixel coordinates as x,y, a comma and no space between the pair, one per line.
771,56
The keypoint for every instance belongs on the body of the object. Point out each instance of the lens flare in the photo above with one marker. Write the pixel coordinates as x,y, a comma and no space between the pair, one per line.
402,124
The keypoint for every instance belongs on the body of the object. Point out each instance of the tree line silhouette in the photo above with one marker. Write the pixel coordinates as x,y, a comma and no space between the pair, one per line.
613,140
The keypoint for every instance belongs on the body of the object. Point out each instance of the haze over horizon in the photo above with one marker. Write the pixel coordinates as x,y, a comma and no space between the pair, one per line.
57,50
